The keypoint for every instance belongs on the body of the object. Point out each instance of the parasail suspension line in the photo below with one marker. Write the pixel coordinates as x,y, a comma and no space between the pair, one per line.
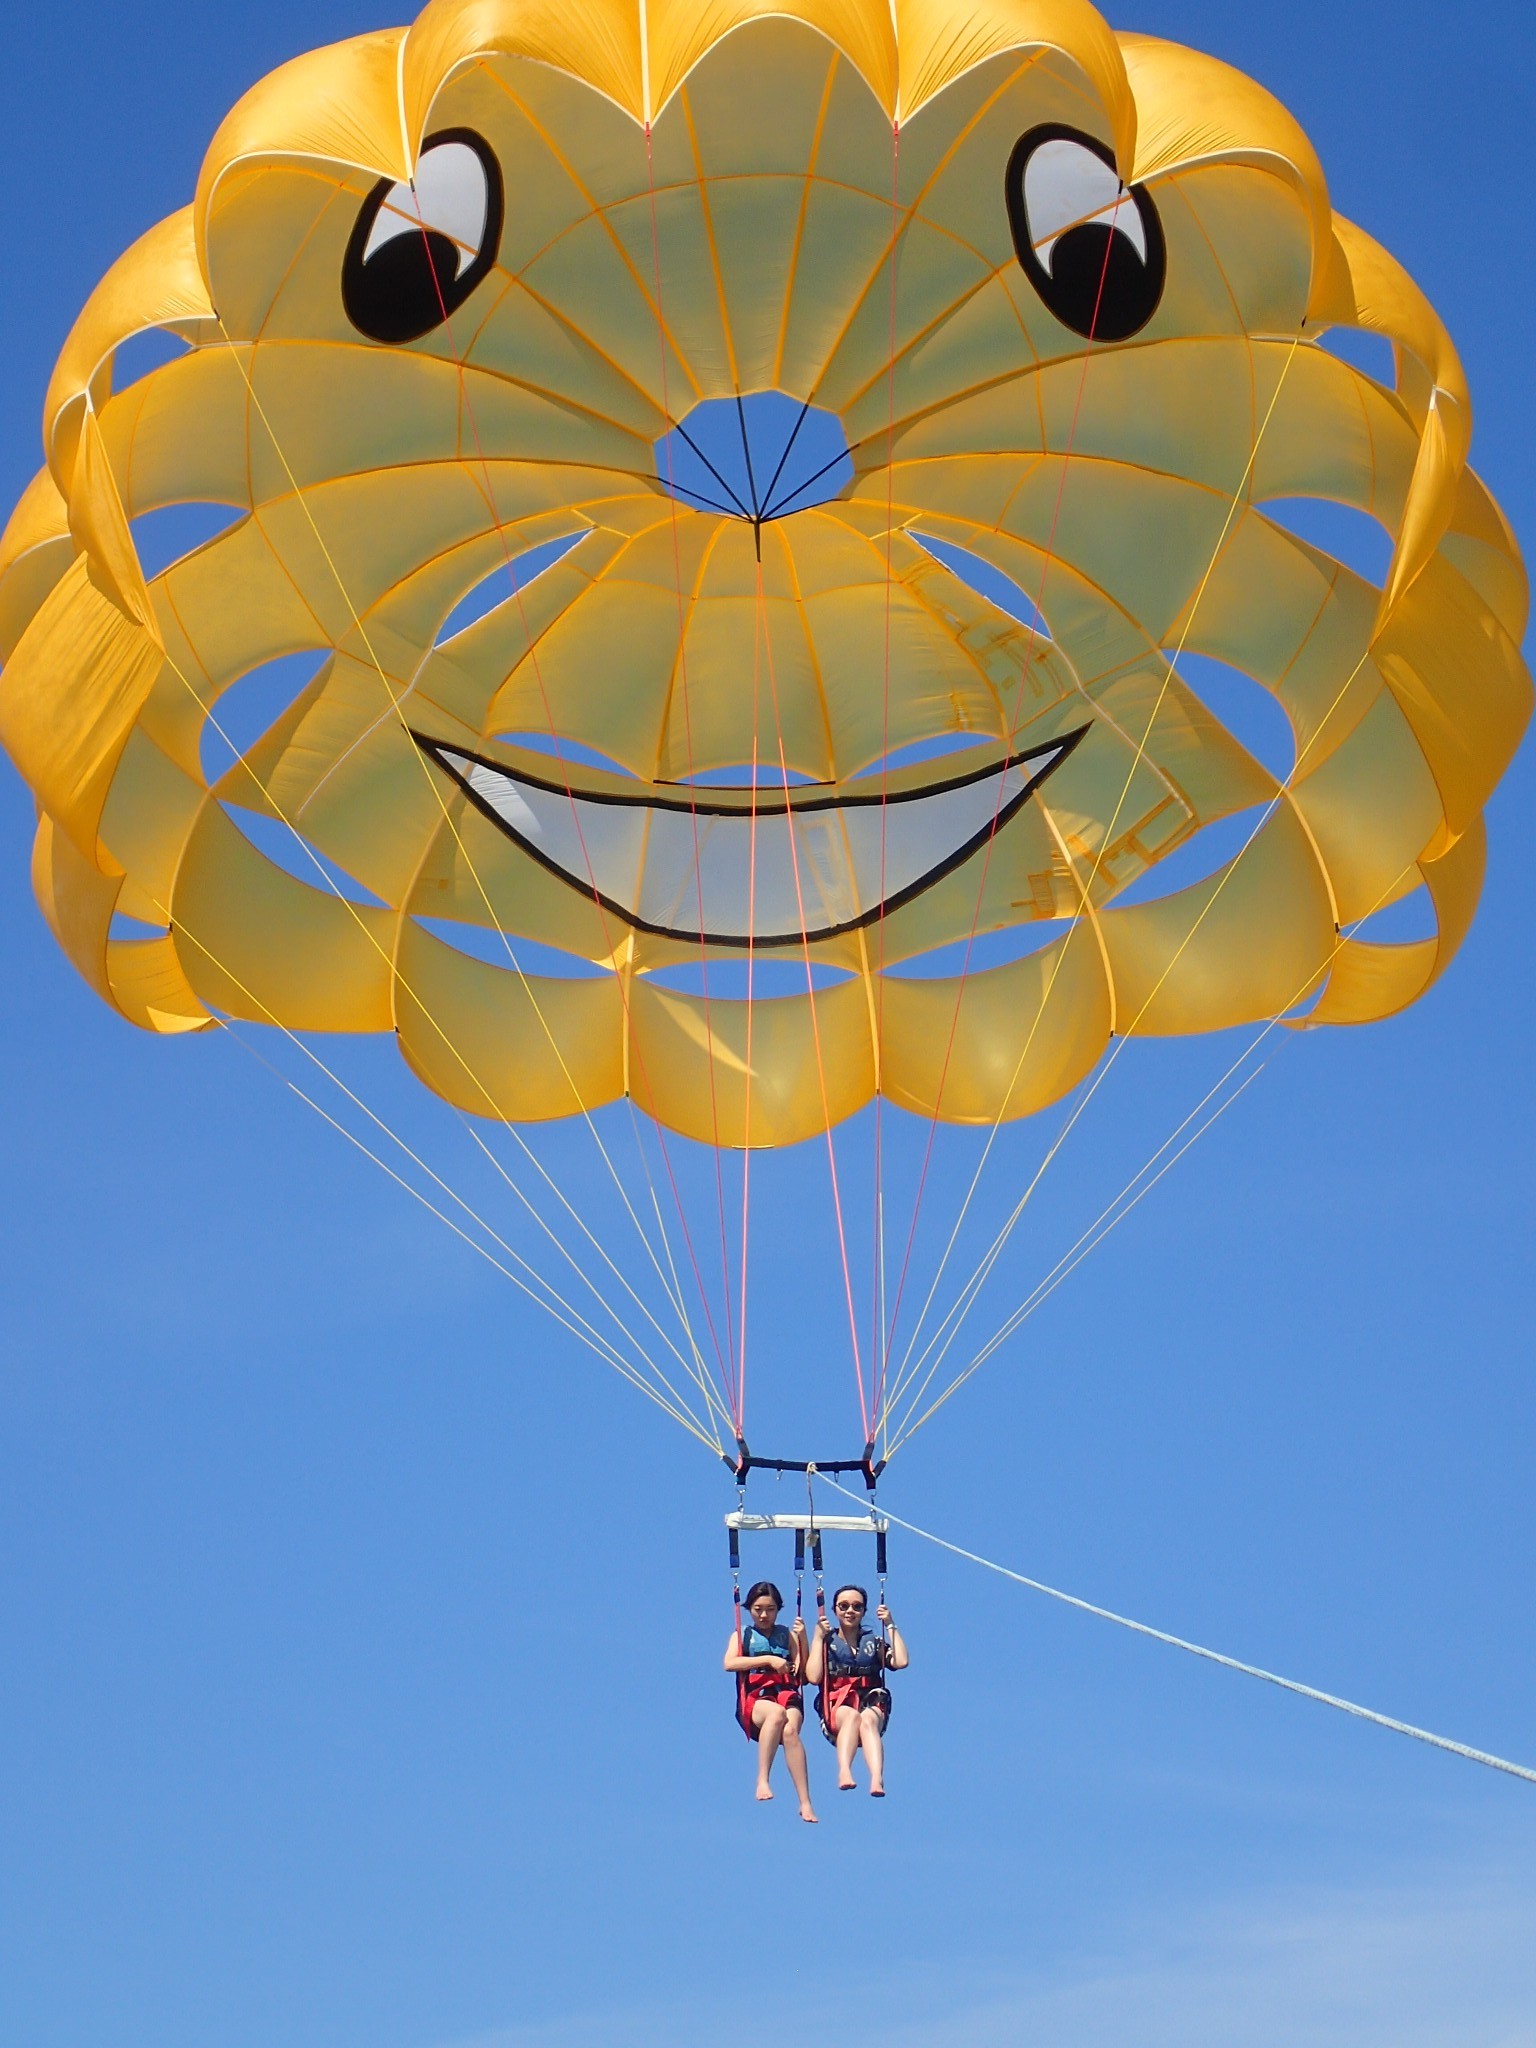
973,1286
561,1310
696,1370
489,496
909,1369
682,678
888,1332
1113,1212
1158,1635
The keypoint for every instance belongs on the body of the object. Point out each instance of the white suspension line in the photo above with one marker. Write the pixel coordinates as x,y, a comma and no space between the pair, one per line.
907,1371
393,708
550,1300
1093,1236
711,1400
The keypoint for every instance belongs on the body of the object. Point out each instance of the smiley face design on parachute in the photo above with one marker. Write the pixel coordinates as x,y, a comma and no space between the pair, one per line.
748,504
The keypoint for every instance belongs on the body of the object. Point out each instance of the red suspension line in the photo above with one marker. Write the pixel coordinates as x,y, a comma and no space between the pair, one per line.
488,492
965,968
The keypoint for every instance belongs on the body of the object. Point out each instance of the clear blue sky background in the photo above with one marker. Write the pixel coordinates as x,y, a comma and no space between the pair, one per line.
359,1684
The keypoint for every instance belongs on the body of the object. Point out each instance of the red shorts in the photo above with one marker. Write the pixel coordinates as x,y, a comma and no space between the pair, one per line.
853,1692
776,1687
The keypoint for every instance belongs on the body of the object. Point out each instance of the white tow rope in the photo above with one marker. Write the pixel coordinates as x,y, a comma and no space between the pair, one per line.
1158,1635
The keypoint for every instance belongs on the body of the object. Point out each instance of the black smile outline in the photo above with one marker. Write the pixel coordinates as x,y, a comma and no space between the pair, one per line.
769,807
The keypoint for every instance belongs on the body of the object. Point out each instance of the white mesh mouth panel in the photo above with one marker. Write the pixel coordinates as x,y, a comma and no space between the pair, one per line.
734,874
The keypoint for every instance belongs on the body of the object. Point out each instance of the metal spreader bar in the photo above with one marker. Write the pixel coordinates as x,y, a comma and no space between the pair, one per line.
859,1525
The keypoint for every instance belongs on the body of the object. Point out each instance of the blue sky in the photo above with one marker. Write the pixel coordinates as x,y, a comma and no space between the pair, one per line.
361,1636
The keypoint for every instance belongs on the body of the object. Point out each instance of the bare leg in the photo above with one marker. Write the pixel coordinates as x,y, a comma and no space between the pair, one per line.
871,1737
847,1743
768,1720
794,1758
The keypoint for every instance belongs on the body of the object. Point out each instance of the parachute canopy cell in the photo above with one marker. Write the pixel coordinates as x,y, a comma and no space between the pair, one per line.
456,304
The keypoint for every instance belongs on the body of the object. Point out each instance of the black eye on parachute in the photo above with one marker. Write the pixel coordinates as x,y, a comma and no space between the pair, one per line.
1092,248
418,250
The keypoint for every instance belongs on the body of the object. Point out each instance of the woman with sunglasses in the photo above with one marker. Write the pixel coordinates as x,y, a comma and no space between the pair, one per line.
848,1663
768,1663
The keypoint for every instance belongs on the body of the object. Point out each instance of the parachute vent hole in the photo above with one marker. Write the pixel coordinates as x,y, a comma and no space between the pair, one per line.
512,954
766,775
247,710
1346,533
1402,923
772,975
172,532
988,949
296,855
142,353
941,746
979,575
755,458
1203,854
1371,354
503,584
134,928
573,753
1255,718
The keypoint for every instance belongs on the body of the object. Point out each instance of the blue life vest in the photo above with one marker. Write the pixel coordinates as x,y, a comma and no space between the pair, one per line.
867,1662
755,1644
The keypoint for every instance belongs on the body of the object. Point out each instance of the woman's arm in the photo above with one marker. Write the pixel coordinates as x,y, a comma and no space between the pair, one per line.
799,1651
896,1646
734,1661
816,1655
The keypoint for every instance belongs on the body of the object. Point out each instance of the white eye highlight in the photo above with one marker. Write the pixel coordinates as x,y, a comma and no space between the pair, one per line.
451,196
1067,186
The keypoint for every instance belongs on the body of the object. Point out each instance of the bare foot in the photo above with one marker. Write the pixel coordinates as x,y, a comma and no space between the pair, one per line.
765,1792
805,1812
845,1785
877,1791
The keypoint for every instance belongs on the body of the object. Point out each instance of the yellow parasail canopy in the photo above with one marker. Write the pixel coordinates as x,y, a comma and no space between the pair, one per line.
461,295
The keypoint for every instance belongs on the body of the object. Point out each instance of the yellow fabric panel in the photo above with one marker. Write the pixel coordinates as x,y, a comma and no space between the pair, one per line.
1259,230
100,527
772,230
1462,684
155,283
1333,433
77,899
688,1064
939,43
1192,107
342,769
260,945
1008,1042
151,808
1481,545
502,1044
598,40
150,989
140,978
1248,943
682,33
1370,980
1366,287
35,550
473,874
73,687
340,102
178,436
1373,808
1294,620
